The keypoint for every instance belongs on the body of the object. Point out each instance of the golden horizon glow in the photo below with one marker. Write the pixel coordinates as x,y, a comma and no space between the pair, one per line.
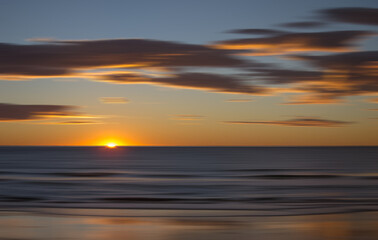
111,145
106,137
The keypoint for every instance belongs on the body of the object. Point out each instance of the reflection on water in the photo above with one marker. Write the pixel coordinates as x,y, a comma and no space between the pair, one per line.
27,226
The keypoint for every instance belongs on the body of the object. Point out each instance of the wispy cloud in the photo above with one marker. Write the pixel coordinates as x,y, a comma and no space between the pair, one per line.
345,74
19,112
304,24
188,117
76,122
328,78
202,81
356,15
333,41
373,100
285,76
240,100
79,58
297,122
114,100
256,31
66,58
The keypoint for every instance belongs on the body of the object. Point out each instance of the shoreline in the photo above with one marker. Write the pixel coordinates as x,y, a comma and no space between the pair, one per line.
194,212
182,225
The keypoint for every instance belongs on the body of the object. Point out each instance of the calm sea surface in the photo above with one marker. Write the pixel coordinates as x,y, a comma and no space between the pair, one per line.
259,181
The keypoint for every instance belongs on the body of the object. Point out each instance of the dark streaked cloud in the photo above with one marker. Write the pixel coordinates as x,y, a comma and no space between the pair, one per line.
17,112
32,71
356,15
298,122
122,77
284,76
354,73
115,100
333,41
337,76
66,58
202,81
344,61
304,24
331,78
256,31
52,58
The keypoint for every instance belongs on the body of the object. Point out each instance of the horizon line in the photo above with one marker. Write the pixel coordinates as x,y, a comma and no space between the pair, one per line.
123,146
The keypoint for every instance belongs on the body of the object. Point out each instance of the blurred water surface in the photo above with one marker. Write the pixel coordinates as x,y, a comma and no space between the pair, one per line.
262,181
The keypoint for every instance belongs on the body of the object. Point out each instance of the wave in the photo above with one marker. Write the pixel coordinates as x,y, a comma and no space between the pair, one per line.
296,176
85,174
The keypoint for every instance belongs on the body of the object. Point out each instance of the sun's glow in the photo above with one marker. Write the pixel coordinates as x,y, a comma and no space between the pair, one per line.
111,142
111,145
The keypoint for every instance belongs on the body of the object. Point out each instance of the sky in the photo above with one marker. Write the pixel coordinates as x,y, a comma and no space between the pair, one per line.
189,73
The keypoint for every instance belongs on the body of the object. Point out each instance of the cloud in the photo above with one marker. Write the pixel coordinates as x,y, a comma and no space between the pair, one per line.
21,72
298,122
77,122
18,112
345,74
305,24
312,97
115,100
188,117
53,58
373,100
70,122
239,100
331,78
257,31
363,60
44,114
335,77
201,81
356,15
285,76
70,58
334,41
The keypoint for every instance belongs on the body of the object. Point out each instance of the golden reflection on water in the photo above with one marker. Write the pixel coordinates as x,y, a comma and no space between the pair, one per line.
25,226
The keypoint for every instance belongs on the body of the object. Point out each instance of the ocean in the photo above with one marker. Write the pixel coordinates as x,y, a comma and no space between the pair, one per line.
219,184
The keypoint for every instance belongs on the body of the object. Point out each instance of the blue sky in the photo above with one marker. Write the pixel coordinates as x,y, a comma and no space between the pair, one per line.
189,21
161,111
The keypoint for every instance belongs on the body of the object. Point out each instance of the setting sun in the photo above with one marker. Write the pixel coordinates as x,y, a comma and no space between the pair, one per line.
111,142
111,145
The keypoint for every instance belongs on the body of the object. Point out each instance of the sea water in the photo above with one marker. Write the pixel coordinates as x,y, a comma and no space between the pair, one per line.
256,181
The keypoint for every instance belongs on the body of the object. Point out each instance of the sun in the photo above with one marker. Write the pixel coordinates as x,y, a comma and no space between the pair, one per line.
111,145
